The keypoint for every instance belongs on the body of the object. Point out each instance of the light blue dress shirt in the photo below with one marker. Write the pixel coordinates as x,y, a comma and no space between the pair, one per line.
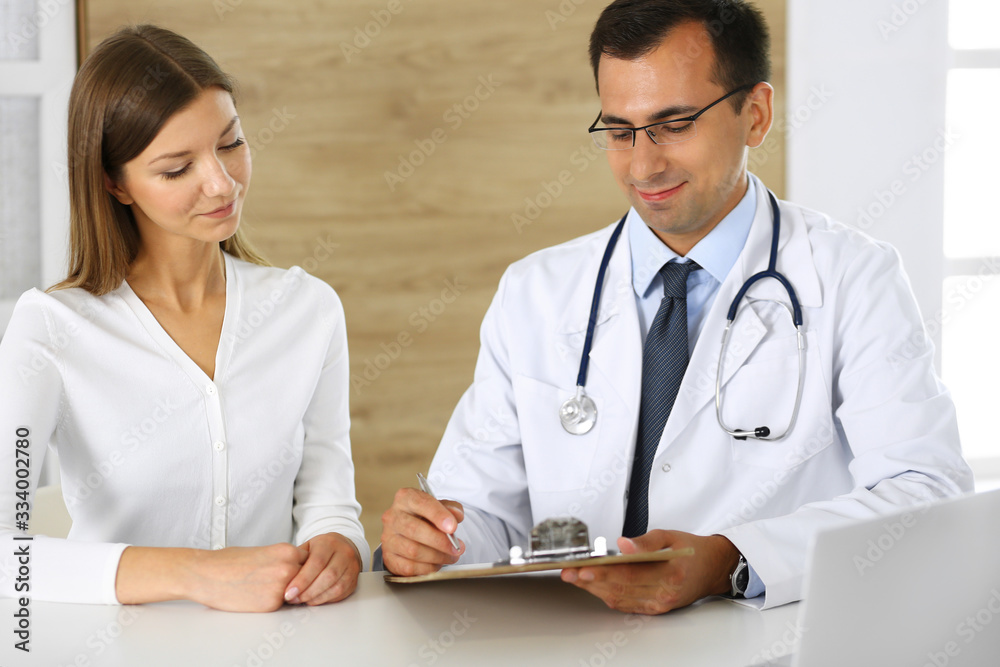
716,254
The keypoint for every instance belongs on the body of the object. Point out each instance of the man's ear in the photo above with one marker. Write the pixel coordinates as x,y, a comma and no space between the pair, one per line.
761,107
116,191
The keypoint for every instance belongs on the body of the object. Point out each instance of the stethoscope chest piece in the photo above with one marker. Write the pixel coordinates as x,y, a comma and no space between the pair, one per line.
578,414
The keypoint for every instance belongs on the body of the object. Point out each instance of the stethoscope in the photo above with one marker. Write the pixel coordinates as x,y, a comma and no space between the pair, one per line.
579,413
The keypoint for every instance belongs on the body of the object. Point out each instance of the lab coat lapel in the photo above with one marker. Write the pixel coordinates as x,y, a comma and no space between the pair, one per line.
616,351
794,260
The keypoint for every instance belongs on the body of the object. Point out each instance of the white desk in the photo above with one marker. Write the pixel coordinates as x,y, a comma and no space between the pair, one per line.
520,620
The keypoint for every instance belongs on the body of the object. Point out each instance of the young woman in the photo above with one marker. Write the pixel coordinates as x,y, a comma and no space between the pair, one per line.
197,398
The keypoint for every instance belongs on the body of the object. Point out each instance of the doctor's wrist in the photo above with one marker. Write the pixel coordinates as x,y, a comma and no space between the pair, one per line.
725,558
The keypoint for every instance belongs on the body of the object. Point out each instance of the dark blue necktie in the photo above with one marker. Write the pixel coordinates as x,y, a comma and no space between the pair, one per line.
664,360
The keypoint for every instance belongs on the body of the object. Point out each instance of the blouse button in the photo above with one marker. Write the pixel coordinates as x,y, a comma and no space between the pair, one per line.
666,467
210,389
217,547
219,445
220,500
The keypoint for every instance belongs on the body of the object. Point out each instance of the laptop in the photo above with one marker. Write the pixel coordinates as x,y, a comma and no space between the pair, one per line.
920,589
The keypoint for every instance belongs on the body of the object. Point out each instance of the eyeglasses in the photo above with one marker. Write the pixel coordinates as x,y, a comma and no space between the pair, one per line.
664,132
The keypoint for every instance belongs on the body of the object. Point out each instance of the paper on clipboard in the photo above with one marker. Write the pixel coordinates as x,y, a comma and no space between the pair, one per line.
480,570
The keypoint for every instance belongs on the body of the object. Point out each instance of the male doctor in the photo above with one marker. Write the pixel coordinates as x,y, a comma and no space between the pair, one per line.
875,431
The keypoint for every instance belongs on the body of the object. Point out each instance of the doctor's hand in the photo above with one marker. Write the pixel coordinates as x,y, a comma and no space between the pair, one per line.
655,588
330,572
414,533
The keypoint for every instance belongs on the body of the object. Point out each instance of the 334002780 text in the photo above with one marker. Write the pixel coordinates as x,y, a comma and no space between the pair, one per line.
22,552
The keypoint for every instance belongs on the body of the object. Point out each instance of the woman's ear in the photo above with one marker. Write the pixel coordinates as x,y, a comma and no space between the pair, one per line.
116,191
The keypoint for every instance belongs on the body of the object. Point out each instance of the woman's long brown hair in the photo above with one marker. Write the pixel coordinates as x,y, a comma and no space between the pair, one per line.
125,91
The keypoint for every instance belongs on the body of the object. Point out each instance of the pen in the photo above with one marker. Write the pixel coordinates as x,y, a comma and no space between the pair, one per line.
426,488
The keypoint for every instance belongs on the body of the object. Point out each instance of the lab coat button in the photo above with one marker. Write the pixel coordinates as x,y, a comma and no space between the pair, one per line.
666,467
220,500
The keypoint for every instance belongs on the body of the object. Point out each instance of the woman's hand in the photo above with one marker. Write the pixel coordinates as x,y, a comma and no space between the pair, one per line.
246,578
232,579
329,574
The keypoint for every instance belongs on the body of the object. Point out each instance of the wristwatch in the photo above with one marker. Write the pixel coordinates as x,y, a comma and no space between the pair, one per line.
740,578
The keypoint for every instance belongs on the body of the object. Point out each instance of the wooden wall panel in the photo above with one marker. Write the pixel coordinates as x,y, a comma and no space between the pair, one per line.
474,107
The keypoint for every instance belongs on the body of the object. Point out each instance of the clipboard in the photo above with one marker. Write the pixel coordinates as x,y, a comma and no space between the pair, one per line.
480,570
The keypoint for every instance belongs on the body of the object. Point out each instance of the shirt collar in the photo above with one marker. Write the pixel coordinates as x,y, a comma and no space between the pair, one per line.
716,253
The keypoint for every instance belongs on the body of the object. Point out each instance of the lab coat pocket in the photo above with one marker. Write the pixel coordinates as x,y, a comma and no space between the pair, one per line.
762,393
553,459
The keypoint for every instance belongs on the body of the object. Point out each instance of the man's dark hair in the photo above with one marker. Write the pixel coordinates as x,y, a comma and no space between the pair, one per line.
630,29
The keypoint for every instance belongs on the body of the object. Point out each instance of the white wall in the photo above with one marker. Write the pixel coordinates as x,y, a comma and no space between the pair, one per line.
44,71
882,65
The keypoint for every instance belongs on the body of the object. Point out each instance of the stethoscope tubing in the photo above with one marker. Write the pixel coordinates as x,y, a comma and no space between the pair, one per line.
578,414
581,377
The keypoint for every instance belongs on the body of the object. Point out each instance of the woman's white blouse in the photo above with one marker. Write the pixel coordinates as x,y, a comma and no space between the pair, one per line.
155,453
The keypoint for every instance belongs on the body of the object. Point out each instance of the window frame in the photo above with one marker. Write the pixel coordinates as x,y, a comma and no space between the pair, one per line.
49,79
984,468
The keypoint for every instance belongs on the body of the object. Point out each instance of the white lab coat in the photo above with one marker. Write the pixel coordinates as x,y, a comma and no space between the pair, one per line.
876,430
